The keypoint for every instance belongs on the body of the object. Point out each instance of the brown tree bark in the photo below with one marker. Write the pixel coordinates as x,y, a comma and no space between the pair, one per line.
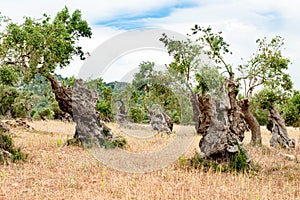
252,122
279,132
222,126
160,121
196,111
218,143
236,117
80,103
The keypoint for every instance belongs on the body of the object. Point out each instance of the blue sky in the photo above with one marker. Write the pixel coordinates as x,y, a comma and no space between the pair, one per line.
138,20
242,22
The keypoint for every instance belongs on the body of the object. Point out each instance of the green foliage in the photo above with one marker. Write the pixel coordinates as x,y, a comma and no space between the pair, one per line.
239,161
8,95
217,46
268,67
143,77
7,145
185,55
288,105
8,76
120,142
43,113
136,113
151,87
291,110
267,97
209,81
105,109
104,104
236,163
262,116
39,46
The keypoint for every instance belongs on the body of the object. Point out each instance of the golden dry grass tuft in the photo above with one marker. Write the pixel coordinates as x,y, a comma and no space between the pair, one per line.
55,171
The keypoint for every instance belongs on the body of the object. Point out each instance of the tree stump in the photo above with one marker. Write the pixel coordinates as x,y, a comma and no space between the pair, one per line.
277,127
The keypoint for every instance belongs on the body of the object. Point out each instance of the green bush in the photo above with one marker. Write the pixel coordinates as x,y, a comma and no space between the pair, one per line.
235,163
43,113
136,113
239,161
8,146
104,107
262,116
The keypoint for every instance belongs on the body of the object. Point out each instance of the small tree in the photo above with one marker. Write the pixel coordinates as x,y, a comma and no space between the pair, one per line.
268,99
40,46
267,67
216,112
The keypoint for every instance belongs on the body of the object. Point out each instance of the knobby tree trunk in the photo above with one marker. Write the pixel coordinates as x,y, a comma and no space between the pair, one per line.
222,126
160,121
122,117
218,142
277,127
252,122
236,116
80,103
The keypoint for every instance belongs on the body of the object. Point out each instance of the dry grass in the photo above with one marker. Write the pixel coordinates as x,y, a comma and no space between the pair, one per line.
54,171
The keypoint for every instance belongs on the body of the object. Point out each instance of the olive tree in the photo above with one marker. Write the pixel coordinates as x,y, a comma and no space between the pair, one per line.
39,46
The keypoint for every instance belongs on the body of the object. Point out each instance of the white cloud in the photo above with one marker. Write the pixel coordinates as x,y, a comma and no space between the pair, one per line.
242,21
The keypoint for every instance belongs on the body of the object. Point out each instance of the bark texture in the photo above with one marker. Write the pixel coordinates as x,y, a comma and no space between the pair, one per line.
80,103
252,122
277,127
196,111
222,127
160,121
121,117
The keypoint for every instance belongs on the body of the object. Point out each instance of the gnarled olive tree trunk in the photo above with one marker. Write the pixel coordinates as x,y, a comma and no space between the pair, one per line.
160,121
222,126
277,127
80,103
252,122
121,116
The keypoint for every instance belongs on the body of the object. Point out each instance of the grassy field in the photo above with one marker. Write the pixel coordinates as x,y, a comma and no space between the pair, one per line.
56,171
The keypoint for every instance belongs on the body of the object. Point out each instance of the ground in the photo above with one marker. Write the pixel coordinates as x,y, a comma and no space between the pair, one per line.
56,171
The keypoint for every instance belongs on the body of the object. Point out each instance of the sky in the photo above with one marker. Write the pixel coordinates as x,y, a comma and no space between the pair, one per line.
241,21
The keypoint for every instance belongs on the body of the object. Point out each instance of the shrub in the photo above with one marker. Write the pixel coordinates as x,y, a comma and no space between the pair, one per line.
43,113
104,107
235,163
8,146
136,113
262,116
